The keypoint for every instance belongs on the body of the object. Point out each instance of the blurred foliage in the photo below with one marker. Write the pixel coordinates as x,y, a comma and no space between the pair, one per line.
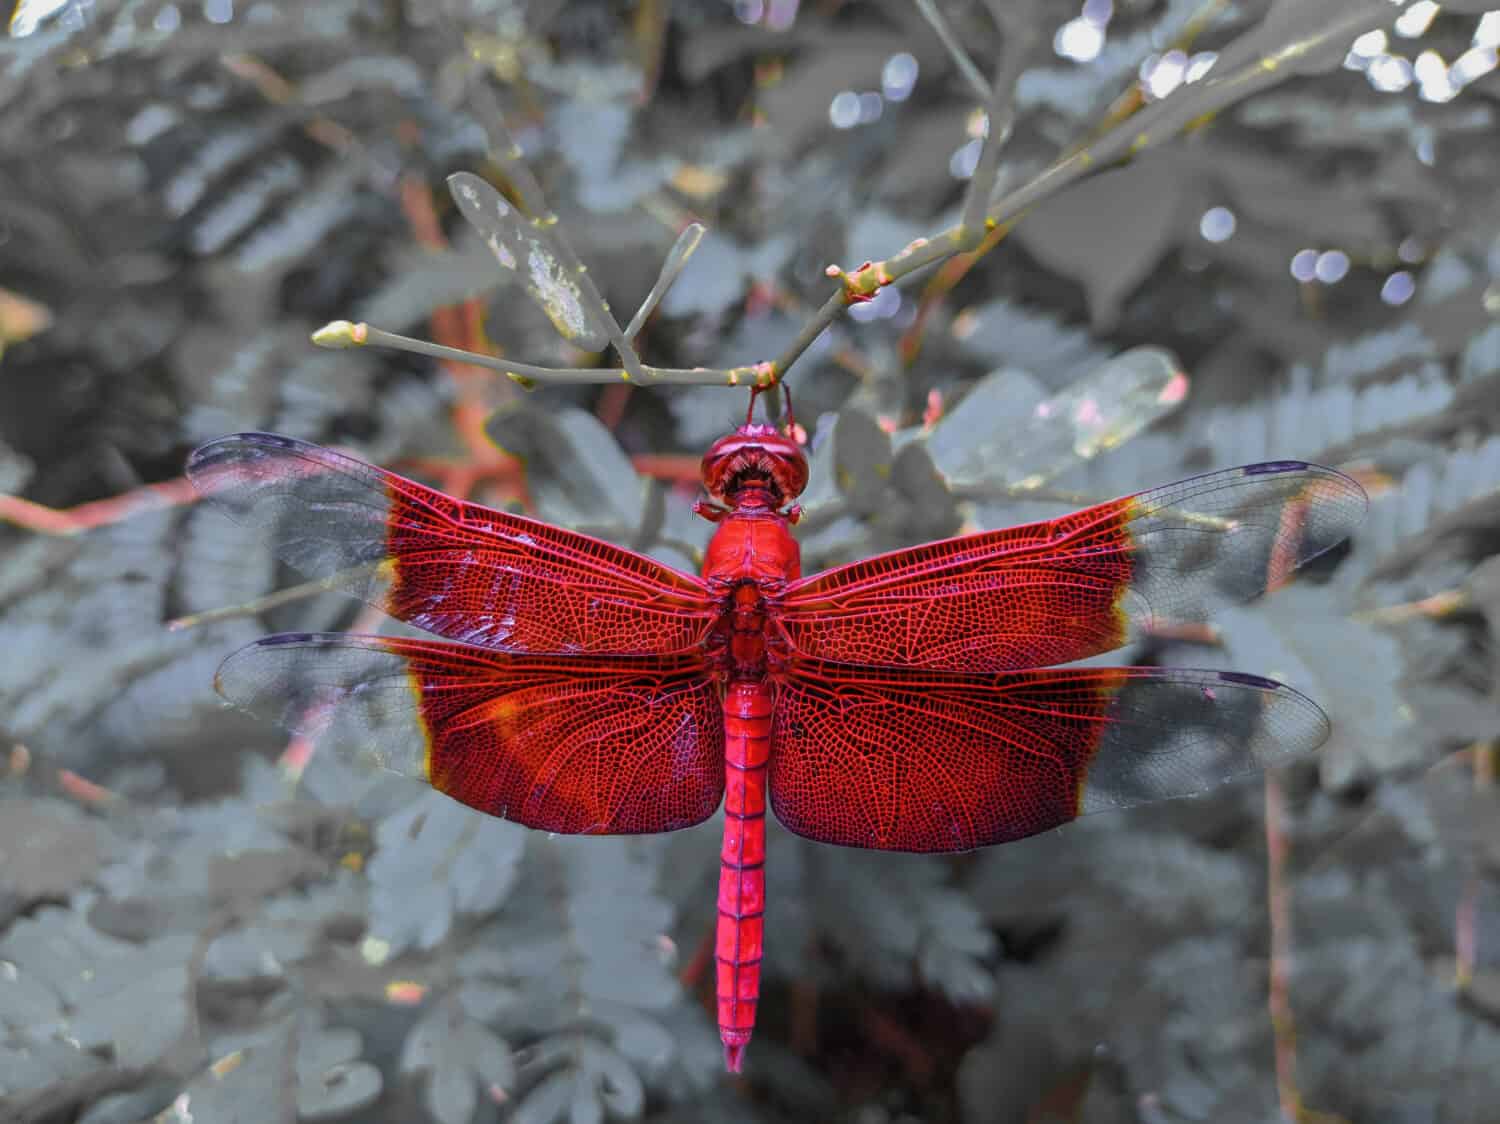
186,190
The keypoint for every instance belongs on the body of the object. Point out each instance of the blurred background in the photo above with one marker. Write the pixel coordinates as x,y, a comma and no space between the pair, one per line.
200,920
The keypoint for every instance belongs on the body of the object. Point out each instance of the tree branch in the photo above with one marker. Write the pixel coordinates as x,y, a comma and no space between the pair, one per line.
939,24
1263,68
340,334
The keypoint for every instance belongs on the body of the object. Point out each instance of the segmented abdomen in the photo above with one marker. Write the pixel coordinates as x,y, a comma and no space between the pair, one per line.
742,873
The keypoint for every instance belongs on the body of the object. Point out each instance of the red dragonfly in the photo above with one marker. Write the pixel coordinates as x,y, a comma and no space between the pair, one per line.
903,702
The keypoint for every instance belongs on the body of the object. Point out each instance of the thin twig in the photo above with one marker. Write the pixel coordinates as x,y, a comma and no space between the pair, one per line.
847,355
1279,993
254,607
939,23
1291,534
1127,138
811,330
997,131
650,33
1466,933
1283,1023
943,281
1486,757
978,235
1146,129
671,268
341,334
1438,605
98,513
278,90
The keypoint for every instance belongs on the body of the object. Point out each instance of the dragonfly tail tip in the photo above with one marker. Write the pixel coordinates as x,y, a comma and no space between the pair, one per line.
734,1051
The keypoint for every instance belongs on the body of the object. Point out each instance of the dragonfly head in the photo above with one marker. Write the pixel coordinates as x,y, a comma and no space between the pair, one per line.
755,455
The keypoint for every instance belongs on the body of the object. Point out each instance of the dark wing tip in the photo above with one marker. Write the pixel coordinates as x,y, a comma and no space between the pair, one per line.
267,440
232,447
240,678
1184,731
1269,468
204,463
218,467
1329,477
1245,679
1301,726
1344,484
281,638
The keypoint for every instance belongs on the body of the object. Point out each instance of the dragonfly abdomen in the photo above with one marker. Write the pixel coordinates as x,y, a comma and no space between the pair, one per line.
742,863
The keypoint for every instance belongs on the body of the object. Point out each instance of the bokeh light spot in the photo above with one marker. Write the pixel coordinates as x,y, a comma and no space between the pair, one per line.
1161,74
1079,39
781,14
1398,288
1415,20
1200,64
882,306
1474,63
1331,267
843,110
898,76
1098,12
1370,45
1389,73
1487,32
1430,68
1217,224
27,15
962,163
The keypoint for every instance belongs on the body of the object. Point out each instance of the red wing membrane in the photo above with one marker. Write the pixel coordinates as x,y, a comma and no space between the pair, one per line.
1062,590
901,760
599,745
456,569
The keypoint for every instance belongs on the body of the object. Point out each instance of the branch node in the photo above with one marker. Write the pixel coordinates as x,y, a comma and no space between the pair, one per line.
862,284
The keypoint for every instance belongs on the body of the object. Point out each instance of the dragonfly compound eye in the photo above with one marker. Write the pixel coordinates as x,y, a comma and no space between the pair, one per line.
755,452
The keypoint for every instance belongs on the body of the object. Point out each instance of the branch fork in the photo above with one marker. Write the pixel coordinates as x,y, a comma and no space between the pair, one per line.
985,218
